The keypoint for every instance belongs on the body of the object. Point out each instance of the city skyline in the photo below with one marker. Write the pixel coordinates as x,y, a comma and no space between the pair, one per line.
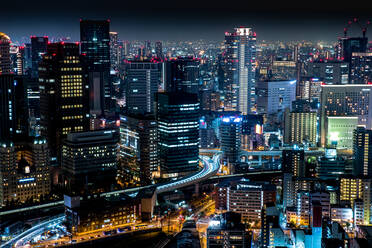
167,21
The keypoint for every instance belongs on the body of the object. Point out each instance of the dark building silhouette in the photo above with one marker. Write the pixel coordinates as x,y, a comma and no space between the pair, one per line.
64,105
95,46
177,115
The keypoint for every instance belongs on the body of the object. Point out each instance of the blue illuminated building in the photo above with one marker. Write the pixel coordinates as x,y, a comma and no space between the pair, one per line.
178,133
230,136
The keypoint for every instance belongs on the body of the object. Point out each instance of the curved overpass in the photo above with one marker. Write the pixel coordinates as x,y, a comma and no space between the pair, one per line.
211,167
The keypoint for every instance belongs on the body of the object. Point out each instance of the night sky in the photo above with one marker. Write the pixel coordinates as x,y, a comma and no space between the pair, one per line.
184,20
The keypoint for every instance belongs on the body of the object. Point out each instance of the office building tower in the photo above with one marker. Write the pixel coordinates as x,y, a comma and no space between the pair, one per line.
138,150
293,162
345,100
95,46
159,50
182,75
25,172
63,94
353,189
288,193
89,161
340,131
38,49
27,59
331,72
177,115
275,96
227,230
5,62
362,152
300,127
330,166
361,68
239,68
303,207
230,137
272,234
142,82
248,198
114,51
147,49
309,88
350,45
7,107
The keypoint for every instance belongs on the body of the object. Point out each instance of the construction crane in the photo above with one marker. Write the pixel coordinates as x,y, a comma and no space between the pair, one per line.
356,21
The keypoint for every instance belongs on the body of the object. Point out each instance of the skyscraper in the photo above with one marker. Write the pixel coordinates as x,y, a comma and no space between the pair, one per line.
5,62
95,45
362,152
345,100
38,48
89,160
361,68
331,72
138,148
350,45
7,107
240,65
143,80
300,127
63,94
182,75
114,50
230,136
178,133
159,50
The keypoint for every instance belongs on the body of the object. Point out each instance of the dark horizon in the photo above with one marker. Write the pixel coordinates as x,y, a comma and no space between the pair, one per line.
167,21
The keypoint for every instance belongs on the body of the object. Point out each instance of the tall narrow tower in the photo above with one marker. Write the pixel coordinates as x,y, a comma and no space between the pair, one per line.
240,65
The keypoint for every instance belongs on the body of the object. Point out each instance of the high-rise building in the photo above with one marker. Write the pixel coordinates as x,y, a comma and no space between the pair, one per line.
345,100
331,72
177,115
275,96
300,127
138,149
159,50
63,94
24,172
114,51
95,46
7,107
230,137
5,62
240,66
361,68
182,75
248,198
350,45
38,49
89,160
293,162
143,80
362,152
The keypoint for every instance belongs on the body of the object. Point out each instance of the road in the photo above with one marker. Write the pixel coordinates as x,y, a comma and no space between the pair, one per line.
21,239
210,168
